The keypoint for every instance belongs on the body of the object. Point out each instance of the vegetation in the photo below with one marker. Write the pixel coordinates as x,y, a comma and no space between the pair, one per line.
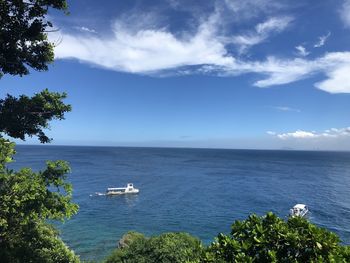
28,199
257,239
271,239
165,248
24,44
23,35
28,116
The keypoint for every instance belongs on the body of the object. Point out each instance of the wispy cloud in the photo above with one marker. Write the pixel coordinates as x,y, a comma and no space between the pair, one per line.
322,40
85,29
285,108
261,32
243,10
300,134
145,50
301,51
149,49
271,133
334,65
345,13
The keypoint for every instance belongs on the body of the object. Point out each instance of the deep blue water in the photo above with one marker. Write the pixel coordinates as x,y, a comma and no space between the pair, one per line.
200,191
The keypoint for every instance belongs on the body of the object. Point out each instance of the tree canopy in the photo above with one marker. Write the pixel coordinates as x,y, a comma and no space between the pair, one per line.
256,240
27,200
165,248
271,239
28,116
24,42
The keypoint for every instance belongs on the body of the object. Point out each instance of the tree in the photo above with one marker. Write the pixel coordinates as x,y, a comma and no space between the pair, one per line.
28,116
271,239
165,248
28,199
24,42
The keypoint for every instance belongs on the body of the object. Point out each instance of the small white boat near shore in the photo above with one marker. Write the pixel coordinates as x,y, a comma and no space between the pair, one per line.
129,189
299,210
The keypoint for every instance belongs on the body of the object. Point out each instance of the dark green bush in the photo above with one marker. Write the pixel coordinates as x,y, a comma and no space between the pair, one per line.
271,239
166,248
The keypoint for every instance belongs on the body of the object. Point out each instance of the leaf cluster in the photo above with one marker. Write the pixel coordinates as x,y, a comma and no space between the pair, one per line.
30,115
23,35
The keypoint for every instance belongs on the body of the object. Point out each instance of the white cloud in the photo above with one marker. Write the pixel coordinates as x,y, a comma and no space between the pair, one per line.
282,71
300,134
274,24
345,13
85,29
247,9
261,32
285,108
147,49
338,80
302,51
334,65
322,40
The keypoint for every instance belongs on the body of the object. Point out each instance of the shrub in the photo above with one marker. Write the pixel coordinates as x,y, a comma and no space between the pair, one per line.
271,239
165,248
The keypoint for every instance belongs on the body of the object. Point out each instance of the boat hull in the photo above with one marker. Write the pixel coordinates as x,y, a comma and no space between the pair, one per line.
135,191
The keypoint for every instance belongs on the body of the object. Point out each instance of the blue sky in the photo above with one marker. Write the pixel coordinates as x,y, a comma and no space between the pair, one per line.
260,74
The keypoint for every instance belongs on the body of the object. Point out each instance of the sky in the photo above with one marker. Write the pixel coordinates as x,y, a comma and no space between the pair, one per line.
254,74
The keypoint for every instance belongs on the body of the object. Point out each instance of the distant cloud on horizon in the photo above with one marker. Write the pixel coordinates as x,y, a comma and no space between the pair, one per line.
301,134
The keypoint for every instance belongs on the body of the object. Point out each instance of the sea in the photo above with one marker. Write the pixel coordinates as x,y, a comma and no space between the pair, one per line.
199,191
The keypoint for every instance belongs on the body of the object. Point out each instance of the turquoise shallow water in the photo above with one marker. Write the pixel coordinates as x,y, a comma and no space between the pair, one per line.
200,191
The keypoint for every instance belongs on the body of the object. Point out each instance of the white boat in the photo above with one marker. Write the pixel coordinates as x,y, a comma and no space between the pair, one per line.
129,189
299,210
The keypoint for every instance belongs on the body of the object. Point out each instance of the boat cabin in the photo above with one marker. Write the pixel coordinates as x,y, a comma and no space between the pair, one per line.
299,210
129,189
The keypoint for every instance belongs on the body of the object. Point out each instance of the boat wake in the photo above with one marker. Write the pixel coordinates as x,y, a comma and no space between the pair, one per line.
97,194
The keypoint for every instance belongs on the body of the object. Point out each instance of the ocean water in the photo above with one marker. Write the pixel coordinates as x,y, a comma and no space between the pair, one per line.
200,191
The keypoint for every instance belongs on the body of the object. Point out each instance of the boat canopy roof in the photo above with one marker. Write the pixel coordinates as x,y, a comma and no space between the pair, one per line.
116,188
300,206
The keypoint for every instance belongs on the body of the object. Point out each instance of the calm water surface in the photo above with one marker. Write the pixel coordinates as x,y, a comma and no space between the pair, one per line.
200,191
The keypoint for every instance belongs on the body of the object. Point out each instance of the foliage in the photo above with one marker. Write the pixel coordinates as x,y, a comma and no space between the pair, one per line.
271,239
23,35
165,248
257,239
27,200
30,115
23,44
